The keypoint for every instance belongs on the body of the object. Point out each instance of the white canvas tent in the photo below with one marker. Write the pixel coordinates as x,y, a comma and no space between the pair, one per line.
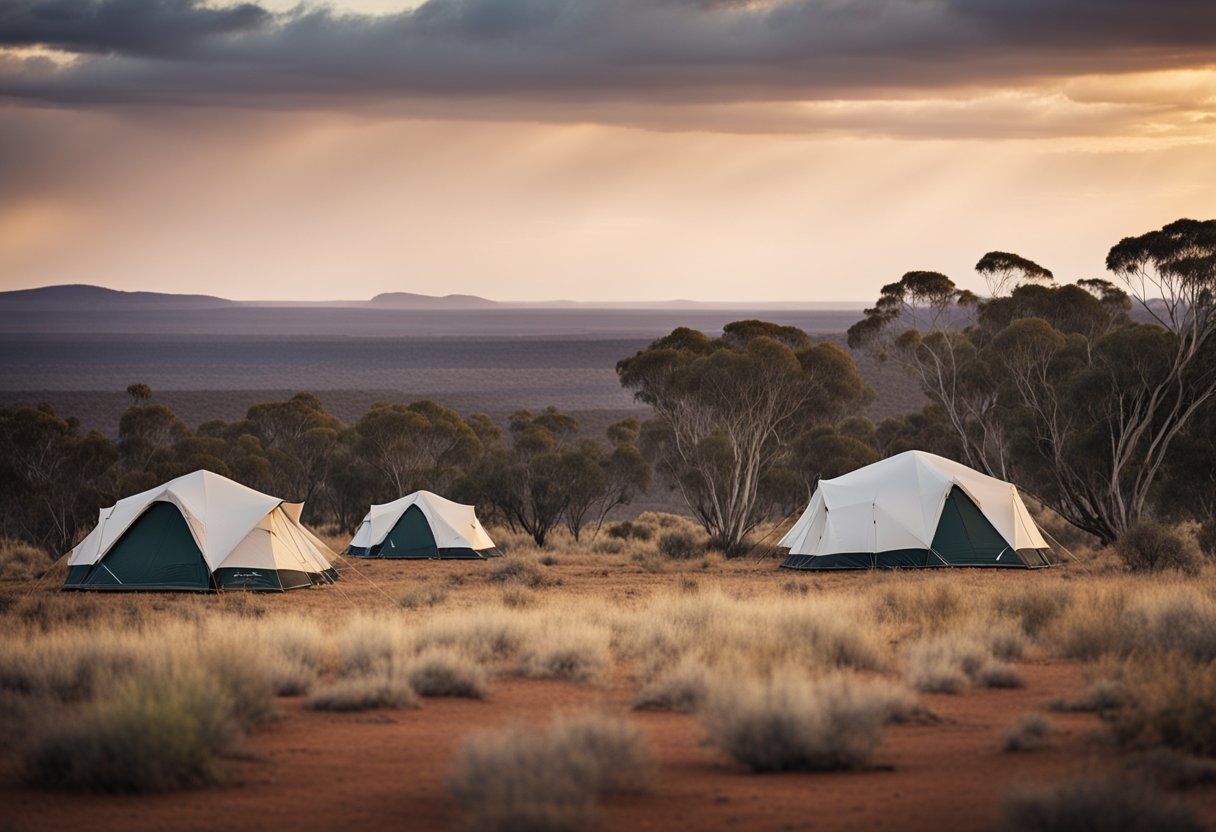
421,525
914,509
201,531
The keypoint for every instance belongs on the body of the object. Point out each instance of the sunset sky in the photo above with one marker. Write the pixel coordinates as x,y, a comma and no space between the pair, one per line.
592,149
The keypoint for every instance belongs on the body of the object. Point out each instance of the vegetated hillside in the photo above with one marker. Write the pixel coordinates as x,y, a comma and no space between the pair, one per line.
412,300
82,296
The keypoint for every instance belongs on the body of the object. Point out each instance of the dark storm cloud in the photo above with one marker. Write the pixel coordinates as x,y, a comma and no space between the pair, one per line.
683,51
164,28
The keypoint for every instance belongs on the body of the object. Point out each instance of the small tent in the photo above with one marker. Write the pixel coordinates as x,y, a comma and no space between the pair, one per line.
199,532
914,509
421,525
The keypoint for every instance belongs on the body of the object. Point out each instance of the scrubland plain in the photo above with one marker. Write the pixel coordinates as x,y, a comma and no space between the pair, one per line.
604,684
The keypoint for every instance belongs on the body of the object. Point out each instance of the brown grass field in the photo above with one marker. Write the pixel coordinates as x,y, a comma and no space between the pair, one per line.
601,685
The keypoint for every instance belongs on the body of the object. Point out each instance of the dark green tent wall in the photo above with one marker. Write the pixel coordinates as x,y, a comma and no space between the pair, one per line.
157,551
410,537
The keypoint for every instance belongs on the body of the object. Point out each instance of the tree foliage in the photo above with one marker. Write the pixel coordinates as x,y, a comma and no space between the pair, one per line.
728,409
1056,386
54,477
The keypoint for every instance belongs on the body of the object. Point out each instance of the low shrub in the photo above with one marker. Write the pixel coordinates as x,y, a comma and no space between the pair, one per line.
367,644
1179,621
790,722
1034,608
519,571
954,662
155,732
1170,701
1205,537
1150,546
489,635
629,530
1099,697
1171,769
518,598
294,652
21,562
1031,732
608,546
445,672
945,664
998,675
679,545
1095,806
364,693
427,596
546,780
683,688
572,654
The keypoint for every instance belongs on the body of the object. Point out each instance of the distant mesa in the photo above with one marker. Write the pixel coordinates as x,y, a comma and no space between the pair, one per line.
84,296
411,300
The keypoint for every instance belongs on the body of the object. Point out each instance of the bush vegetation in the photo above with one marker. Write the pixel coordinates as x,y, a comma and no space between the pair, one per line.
547,779
446,672
1031,732
1150,546
791,722
363,693
1097,806
953,662
679,545
158,731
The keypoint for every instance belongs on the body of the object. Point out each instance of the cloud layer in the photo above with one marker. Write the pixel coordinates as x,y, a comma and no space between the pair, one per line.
685,52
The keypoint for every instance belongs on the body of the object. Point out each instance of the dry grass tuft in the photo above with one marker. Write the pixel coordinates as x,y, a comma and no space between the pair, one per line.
998,675
684,688
759,634
1096,806
521,778
364,693
21,562
518,598
157,731
1031,732
1170,769
954,662
521,571
487,635
1169,617
576,654
446,672
367,644
426,596
1099,697
790,722
1034,608
1169,701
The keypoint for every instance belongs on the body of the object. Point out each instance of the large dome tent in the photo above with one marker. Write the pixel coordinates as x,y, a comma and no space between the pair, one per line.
421,525
199,532
914,509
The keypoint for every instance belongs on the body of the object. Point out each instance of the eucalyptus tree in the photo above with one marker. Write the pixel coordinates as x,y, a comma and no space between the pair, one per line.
414,446
727,410
1090,400
916,322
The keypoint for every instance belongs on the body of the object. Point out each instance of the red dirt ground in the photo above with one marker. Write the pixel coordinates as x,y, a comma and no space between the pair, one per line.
380,770
386,769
